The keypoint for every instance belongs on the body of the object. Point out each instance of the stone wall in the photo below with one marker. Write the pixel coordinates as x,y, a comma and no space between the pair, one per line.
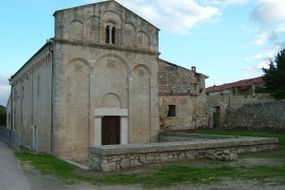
185,89
29,106
117,157
259,112
262,115
95,79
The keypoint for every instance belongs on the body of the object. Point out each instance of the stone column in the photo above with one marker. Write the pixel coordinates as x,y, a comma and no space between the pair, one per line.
124,130
98,131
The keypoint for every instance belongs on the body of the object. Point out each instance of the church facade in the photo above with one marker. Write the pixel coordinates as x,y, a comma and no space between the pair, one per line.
95,83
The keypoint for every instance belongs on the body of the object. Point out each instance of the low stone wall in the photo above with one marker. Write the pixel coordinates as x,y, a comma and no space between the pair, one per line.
117,157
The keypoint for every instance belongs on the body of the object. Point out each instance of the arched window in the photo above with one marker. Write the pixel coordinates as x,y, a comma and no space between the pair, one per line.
107,34
113,35
110,34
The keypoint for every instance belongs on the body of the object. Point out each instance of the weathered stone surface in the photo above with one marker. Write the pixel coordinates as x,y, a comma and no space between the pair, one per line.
107,167
260,112
128,156
185,89
125,163
81,76
135,163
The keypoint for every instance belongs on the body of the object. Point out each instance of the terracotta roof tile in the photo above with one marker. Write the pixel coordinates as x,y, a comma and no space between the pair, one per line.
240,84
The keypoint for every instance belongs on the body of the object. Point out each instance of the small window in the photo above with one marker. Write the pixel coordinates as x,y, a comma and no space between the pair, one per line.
171,111
107,34
110,34
23,92
113,35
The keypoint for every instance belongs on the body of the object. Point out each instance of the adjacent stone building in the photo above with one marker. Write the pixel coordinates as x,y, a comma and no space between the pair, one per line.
183,104
97,83
246,87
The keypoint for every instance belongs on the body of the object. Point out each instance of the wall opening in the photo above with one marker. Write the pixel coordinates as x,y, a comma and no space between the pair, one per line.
107,34
110,34
216,114
110,130
171,111
113,35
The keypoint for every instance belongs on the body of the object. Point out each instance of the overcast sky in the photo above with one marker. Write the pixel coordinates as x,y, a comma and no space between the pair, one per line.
227,40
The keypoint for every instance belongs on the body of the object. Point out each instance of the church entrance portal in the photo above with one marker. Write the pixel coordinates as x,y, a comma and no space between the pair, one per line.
110,130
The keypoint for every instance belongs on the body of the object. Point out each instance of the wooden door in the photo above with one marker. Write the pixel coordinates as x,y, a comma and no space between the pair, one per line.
110,130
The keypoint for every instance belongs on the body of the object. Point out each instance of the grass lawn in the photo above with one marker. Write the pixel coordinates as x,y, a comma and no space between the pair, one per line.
279,135
194,172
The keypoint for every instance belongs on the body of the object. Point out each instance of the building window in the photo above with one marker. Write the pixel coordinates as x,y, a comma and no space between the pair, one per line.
113,35
171,111
23,92
110,35
107,34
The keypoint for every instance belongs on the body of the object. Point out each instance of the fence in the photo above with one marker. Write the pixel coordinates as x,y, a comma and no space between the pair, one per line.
10,137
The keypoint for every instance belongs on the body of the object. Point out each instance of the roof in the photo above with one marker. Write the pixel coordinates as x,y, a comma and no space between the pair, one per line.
175,65
49,42
239,84
104,2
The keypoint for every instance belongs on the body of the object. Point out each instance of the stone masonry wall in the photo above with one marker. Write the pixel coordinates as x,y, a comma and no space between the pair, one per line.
270,115
185,89
247,112
112,158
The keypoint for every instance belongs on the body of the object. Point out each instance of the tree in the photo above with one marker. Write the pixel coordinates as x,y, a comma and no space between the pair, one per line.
274,76
2,115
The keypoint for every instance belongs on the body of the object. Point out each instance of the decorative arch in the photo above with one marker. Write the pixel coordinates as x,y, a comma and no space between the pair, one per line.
111,74
129,36
84,61
141,85
77,100
111,100
143,40
142,66
116,57
76,30
112,16
93,28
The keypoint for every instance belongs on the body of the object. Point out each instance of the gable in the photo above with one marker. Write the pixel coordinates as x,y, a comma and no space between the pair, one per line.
99,22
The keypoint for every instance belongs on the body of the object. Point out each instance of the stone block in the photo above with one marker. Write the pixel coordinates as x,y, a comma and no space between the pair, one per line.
135,163
125,163
107,167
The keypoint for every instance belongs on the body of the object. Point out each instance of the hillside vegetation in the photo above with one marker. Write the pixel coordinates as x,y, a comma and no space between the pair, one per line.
2,115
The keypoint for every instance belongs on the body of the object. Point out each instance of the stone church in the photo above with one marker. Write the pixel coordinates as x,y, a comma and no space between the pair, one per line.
97,82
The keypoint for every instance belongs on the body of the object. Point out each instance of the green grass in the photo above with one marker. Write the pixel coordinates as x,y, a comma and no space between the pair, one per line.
48,164
195,172
279,135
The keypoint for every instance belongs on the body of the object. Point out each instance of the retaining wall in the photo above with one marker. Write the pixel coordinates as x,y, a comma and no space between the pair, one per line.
117,157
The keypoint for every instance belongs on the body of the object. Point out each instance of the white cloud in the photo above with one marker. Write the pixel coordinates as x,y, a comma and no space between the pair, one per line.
177,16
269,11
4,90
225,2
261,38
264,55
257,68
234,2
270,17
